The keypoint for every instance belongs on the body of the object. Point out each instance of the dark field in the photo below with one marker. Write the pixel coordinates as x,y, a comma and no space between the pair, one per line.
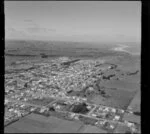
34,123
10,59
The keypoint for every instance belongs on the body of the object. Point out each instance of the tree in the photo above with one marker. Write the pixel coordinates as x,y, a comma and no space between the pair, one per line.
44,55
51,109
81,108
13,63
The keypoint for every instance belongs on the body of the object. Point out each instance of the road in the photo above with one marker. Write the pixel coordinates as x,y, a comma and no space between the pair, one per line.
64,99
92,109
26,103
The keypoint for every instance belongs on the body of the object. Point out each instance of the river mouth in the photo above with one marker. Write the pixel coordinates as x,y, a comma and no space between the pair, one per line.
132,49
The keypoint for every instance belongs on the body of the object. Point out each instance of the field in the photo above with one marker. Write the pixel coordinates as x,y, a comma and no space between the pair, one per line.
121,85
34,123
117,98
92,129
10,59
132,118
122,129
136,102
135,105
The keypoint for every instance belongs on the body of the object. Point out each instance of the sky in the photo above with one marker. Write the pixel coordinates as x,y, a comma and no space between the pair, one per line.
87,21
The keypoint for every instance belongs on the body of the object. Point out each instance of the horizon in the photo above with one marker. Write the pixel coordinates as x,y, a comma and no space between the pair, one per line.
106,42
75,21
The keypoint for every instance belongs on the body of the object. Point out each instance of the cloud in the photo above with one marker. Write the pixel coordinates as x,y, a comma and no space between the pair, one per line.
28,20
123,37
51,30
9,29
11,32
28,29
33,28
30,23
37,29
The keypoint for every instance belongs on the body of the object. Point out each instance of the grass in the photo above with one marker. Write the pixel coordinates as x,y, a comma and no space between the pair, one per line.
40,124
118,98
92,129
121,84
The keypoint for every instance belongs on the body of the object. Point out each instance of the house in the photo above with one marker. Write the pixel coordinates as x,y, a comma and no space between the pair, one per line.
116,118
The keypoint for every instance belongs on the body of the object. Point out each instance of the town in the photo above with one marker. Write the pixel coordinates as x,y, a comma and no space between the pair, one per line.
44,88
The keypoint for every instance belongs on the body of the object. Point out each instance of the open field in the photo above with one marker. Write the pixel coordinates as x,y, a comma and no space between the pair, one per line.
117,98
92,129
122,129
134,79
34,123
121,85
136,102
132,118
10,59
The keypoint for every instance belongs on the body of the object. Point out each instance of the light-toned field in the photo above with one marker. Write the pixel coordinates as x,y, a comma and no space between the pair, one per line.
132,118
122,129
92,129
118,98
34,123
136,79
121,85
136,102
